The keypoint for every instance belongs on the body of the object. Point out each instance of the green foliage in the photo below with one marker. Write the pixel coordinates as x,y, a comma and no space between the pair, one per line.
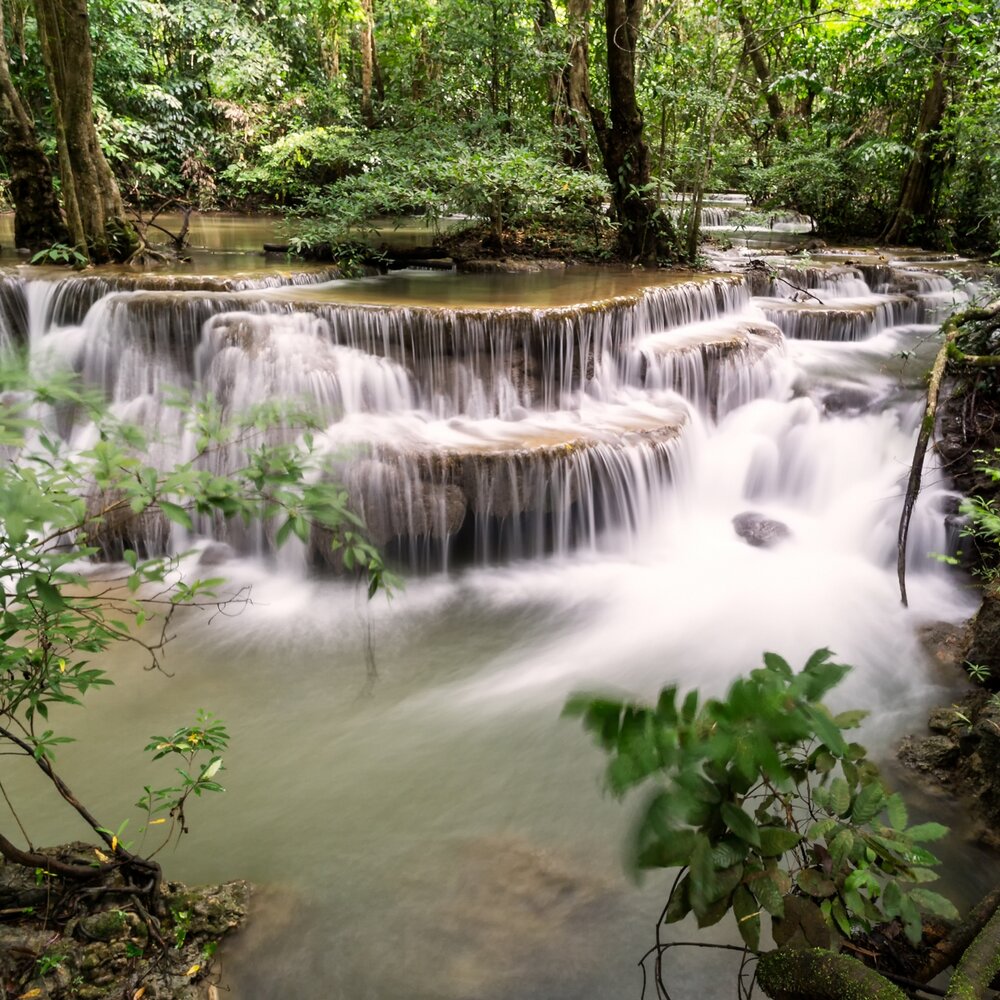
59,253
58,508
766,807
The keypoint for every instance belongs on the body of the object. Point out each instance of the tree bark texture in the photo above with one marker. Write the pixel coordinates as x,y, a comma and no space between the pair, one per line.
95,214
644,231
914,218
979,965
38,221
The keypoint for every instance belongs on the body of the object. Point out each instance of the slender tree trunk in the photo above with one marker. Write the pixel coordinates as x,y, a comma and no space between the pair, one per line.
95,213
644,233
755,51
914,215
569,87
367,61
38,222
576,80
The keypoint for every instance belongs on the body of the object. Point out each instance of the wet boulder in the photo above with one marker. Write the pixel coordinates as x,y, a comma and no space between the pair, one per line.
759,531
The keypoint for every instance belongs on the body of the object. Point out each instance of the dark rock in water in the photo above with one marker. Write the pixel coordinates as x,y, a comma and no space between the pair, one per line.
934,755
848,399
216,553
760,531
947,645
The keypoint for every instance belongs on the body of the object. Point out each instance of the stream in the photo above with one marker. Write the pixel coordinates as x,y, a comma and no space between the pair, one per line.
554,461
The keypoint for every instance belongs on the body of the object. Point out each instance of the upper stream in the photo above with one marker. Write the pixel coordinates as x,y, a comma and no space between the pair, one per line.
555,461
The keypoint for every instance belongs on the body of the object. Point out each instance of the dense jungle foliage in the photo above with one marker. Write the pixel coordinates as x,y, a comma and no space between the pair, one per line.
882,118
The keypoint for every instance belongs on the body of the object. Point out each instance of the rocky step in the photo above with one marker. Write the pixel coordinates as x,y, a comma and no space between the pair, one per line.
842,319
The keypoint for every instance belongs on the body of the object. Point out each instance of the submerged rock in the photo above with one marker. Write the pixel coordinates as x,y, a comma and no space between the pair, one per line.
760,531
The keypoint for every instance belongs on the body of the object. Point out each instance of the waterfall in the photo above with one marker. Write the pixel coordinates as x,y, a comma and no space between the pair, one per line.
471,434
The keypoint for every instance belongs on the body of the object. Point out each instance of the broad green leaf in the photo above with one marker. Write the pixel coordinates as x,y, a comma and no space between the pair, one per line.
777,840
933,902
747,913
868,803
840,797
767,894
740,823
177,514
924,832
51,598
814,883
898,815
912,924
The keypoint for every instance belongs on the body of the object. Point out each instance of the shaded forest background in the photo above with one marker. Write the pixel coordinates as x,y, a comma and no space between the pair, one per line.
879,119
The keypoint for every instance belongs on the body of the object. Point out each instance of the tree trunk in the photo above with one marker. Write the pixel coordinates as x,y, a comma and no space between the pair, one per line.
367,61
755,51
569,87
644,232
914,216
38,222
576,82
95,214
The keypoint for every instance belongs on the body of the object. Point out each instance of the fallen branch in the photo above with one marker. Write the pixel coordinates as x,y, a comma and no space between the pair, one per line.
979,964
818,974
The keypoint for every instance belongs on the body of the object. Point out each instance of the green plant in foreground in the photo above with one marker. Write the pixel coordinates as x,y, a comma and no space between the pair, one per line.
765,808
60,253
61,508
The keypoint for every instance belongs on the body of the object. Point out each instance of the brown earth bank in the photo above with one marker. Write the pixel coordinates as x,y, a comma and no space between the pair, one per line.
62,940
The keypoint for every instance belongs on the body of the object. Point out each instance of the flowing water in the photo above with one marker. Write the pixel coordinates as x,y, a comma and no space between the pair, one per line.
556,463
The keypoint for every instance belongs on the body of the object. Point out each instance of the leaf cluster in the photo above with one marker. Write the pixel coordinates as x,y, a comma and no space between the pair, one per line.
766,808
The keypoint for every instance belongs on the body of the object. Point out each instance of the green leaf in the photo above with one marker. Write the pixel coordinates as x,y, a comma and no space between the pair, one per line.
892,900
777,840
728,852
49,595
777,664
840,849
924,832
840,797
898,815
740,823
912,924
933,902
768,894
177,514
813,883
747,914
868,803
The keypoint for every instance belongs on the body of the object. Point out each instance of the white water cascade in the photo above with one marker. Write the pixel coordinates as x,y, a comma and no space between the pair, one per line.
573,493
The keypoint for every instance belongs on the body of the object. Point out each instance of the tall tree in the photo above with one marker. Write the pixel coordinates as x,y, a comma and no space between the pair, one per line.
38,222
645,232
95,213
914,219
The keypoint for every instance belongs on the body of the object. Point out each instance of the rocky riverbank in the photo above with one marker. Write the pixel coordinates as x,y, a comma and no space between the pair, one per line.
62,941
961,753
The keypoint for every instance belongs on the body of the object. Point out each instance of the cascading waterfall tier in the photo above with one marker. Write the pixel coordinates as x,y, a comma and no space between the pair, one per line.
460,434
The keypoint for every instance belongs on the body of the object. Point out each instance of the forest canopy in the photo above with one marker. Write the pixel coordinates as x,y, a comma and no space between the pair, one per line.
879,119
